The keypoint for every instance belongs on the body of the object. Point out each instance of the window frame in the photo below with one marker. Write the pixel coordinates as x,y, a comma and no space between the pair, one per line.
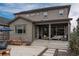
23,28
45,15
61,12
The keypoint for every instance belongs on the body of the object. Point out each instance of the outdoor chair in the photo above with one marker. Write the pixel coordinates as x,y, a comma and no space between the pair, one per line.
4,51
3,44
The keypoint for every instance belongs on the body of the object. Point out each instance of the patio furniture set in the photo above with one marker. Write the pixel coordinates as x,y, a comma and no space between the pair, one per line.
56,37
4,51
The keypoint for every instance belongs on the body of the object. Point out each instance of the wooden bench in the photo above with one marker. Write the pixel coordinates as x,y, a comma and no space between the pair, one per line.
5,52
19,41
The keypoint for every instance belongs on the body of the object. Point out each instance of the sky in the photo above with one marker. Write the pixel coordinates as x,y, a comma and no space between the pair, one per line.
7,10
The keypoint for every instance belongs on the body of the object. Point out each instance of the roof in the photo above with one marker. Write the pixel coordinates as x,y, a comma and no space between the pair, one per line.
42,9
45,9
19,18
3,21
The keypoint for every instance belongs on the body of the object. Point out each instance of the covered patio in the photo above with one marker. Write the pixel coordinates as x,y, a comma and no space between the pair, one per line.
50,31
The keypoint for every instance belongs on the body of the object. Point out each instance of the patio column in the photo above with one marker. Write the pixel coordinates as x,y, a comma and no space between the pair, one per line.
69,31
49,31
41,33
37,32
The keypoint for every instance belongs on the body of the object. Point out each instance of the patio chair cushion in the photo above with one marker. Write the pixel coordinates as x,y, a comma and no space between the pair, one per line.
57,37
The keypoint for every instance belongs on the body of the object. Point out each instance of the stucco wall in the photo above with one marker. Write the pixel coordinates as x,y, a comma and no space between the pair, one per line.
52,15
27,35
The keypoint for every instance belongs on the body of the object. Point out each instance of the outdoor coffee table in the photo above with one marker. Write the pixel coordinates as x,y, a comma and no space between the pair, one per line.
5,52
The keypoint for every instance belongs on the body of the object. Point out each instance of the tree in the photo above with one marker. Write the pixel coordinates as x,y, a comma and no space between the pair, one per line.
74,41
77,30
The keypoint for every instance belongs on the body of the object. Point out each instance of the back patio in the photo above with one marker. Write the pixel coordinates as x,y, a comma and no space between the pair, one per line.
39,47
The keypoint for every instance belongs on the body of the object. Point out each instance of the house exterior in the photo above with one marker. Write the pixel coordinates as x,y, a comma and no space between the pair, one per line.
45,23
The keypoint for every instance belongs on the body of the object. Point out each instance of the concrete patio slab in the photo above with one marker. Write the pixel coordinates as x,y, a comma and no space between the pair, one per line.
55,44
26,50
49,52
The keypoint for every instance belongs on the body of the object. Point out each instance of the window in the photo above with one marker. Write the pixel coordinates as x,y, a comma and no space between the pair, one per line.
20,29
45,15
27,15
61,12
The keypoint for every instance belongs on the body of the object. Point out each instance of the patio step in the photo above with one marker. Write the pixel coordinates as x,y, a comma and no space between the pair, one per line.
49,52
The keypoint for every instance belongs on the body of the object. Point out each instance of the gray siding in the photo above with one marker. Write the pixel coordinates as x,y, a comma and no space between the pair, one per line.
52,15
27,35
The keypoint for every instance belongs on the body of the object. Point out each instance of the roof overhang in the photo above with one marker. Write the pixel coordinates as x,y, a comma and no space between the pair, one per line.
42,21
19,18
55,20
4,25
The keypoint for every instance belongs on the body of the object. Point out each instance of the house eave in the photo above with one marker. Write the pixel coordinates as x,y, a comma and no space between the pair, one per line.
67,19
19,18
